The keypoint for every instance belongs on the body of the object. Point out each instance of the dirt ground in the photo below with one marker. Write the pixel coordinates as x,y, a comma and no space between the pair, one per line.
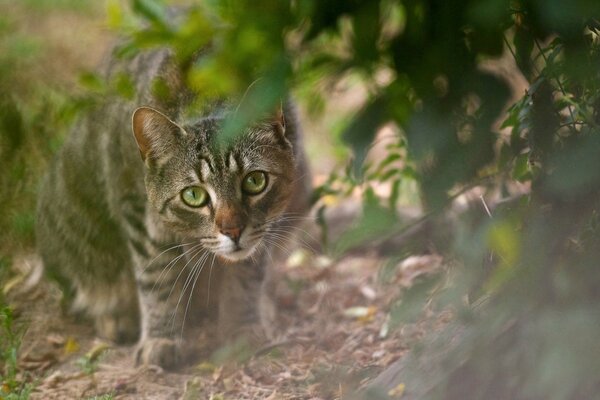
334,315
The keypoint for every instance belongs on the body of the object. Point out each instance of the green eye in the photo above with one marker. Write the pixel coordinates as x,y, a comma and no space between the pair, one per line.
194,196
255,182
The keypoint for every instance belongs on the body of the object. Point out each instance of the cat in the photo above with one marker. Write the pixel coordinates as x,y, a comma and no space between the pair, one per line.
146,231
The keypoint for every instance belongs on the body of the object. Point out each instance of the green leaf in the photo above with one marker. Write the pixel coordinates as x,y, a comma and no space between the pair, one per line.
375,222
387,161
523,42
124,86
152,10
521,171
361,131
11,126
395,194
390,173
412,302
92,81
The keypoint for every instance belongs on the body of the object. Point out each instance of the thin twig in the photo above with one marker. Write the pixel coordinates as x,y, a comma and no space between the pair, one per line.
487,210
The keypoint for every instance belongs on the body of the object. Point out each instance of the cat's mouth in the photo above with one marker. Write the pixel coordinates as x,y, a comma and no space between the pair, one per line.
233,249
236,253
230,250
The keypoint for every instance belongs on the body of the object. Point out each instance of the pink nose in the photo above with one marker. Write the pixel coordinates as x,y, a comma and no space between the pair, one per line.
233,233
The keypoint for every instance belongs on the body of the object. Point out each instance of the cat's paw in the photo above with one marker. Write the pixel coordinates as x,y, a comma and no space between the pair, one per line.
241,344
158,351
119,329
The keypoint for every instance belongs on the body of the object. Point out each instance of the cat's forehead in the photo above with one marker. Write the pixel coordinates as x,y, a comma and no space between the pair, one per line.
208,140
215,160
205,130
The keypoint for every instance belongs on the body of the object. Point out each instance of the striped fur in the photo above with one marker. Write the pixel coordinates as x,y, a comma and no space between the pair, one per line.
113,230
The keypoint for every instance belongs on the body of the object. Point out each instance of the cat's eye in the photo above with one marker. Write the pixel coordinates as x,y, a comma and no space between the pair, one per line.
194,196
255,182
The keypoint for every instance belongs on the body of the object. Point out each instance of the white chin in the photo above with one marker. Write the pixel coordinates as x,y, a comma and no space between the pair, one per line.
237,255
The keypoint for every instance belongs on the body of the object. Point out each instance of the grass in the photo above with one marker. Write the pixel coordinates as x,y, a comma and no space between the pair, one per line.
39,69
14,386
45,45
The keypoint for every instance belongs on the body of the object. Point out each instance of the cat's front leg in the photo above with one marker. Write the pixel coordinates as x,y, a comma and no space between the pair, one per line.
243,308
165,286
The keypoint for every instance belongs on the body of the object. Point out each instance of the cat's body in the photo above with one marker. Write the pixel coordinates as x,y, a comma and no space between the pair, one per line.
113,227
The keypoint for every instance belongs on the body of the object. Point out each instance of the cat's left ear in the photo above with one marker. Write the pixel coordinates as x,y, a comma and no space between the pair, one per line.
155,134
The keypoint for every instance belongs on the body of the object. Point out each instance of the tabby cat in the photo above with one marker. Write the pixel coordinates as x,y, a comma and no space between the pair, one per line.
150,230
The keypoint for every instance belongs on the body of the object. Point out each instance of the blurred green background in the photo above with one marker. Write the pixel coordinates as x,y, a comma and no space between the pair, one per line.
44,46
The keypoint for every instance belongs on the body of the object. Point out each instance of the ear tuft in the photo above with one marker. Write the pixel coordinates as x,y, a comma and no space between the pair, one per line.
154,132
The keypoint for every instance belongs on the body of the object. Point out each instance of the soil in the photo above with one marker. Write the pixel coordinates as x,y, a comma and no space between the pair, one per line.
334,315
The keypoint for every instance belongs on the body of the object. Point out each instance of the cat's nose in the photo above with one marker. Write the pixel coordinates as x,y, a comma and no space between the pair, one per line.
233,233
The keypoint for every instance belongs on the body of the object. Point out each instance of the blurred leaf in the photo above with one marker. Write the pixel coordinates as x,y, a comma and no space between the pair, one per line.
114,14
366,32
569,181
413,300
520,170
152,10
360,313
124,86
504,241
260,100
395,194
11,127
375,222
23,224
92,81
362,130
397,391
71,346
523,41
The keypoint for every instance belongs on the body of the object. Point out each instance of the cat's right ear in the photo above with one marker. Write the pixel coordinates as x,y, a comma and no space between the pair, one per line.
155,134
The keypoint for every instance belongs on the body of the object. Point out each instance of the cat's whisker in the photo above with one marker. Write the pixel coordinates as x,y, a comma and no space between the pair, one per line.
257,234
279,245
188,280
297,228
285,233
288,217
163,252
181,272
253,257
212,264
268,254
187,306
167,268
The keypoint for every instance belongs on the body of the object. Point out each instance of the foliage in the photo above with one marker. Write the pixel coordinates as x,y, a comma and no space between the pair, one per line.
12,386
421,62
37,105
36,108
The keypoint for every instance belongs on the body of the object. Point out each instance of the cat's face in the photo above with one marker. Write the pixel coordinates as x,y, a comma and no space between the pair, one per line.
225,197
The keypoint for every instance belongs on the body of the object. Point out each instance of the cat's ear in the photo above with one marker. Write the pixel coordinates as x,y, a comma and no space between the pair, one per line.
154,132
